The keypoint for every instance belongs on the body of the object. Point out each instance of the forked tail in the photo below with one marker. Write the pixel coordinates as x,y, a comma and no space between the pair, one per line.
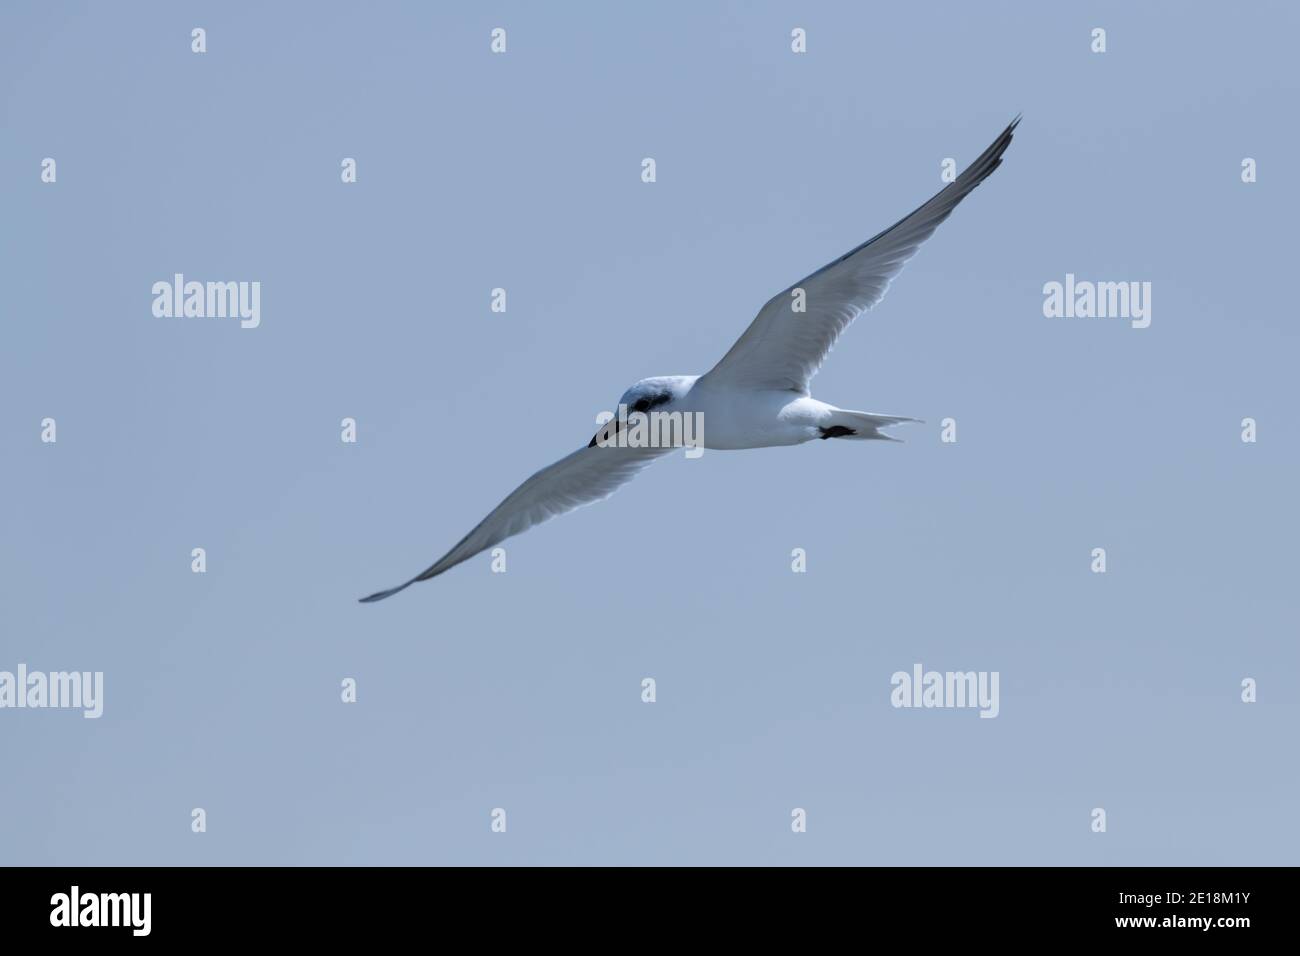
862,425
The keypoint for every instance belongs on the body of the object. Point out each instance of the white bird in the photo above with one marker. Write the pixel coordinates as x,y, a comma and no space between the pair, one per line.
756,397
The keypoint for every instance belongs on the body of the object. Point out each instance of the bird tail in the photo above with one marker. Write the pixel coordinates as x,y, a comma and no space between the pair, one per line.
861,425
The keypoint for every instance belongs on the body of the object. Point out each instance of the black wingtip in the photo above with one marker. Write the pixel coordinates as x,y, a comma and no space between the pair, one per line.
380,595
985,163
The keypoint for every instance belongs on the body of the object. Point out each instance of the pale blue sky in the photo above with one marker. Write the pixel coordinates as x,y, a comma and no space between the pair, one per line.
522,690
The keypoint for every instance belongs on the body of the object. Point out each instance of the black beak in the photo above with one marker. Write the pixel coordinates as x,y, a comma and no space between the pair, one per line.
606,433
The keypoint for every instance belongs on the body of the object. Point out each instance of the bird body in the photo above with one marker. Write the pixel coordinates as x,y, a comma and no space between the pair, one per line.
757,396
761,418
734,419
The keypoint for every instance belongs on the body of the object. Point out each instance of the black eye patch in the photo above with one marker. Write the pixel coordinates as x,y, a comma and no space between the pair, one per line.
654,401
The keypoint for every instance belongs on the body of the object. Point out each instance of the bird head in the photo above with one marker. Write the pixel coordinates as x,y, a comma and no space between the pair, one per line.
649,394
646,396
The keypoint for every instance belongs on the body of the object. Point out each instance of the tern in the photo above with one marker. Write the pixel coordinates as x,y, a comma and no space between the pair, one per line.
756,397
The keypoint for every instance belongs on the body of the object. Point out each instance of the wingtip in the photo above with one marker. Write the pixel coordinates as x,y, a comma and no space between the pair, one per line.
379,595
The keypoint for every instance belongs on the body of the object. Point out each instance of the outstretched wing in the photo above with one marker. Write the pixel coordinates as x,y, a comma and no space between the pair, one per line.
783,349
588,475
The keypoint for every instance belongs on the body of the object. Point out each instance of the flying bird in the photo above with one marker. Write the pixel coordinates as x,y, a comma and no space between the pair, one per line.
756,397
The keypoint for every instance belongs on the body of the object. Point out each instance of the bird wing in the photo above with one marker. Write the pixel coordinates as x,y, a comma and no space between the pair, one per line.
783,349
590,474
